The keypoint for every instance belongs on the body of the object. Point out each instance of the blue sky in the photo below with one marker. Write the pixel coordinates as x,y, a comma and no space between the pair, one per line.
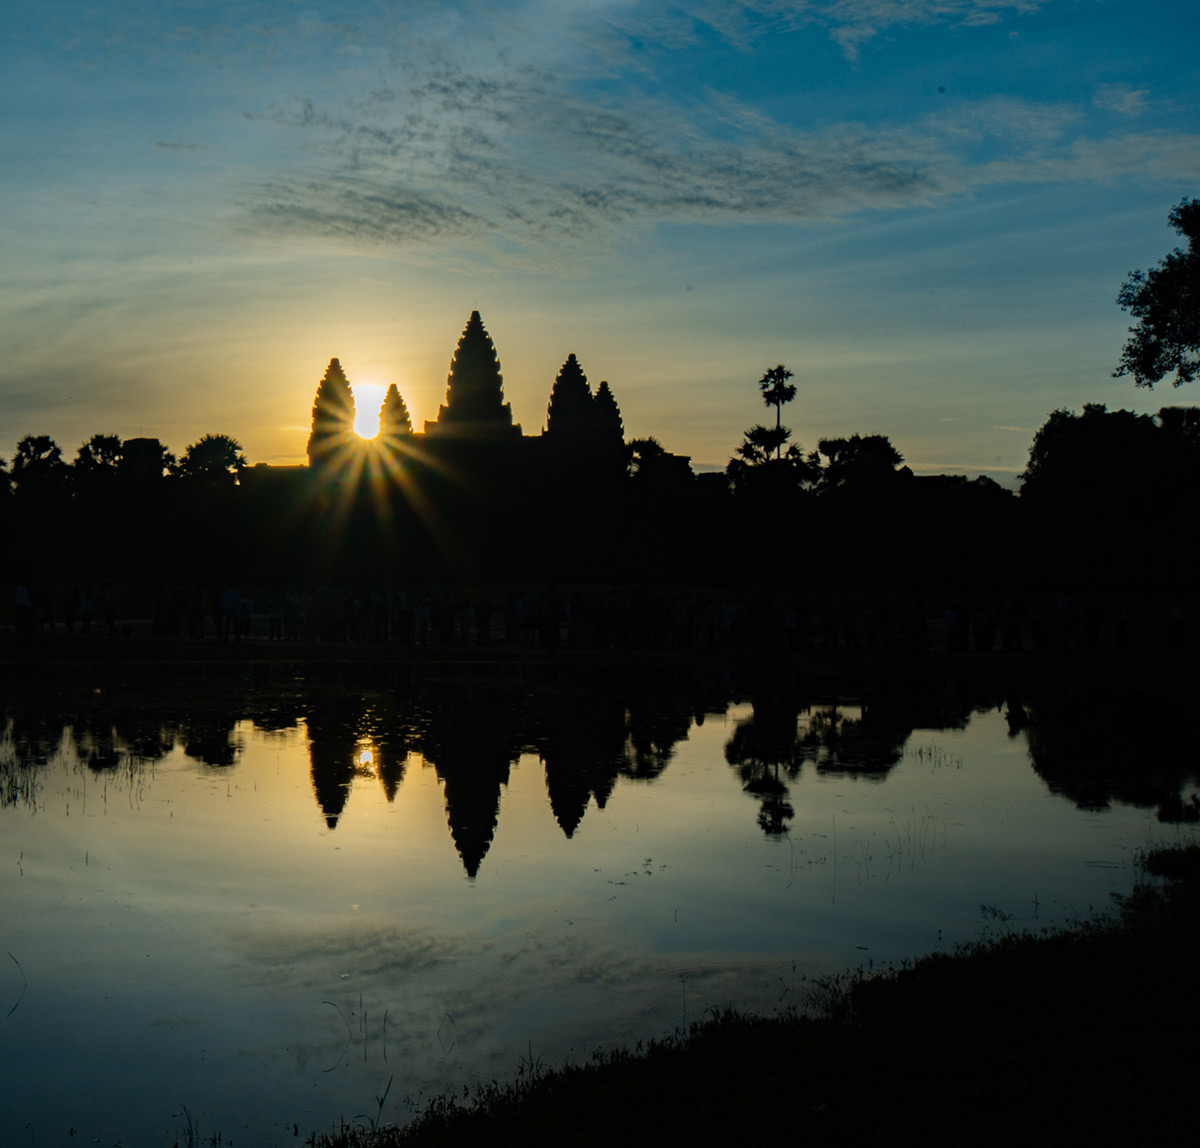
924,208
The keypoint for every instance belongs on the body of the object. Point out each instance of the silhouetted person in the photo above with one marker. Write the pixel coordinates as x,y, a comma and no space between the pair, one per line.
1178,627
1069,614
70,607
110,609
43,604
231,603
245,616
483,622
275,617
23,611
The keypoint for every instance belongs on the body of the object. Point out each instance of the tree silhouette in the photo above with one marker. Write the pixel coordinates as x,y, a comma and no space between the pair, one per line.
99,456
759,468
332,434
763,444
1093,457
776,390
1166,302
38,465
95,475
42,497
761,462
642,454
1112,491
767,751
216,458
861,464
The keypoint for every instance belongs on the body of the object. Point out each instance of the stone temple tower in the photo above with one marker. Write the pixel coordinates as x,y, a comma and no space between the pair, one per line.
475,406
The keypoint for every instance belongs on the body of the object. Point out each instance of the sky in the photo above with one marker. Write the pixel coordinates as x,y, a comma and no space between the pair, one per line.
923,208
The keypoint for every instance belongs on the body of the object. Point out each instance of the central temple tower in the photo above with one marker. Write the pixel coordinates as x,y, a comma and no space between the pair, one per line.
475,406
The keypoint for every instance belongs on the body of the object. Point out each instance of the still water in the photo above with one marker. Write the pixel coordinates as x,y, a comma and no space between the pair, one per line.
254,903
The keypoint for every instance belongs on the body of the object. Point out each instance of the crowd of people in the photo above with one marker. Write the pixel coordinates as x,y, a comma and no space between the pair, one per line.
609,618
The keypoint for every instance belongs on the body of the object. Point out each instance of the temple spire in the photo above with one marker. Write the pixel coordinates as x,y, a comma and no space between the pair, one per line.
332,434
475,405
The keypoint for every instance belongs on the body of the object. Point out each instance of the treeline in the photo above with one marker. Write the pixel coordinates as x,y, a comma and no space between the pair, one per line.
1107,501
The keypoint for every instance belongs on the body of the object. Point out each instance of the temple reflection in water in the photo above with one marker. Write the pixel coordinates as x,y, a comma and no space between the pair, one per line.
588,730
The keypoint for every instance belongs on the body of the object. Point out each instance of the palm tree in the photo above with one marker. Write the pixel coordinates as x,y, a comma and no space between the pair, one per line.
760,441
776,390
216,457
37,465
642,453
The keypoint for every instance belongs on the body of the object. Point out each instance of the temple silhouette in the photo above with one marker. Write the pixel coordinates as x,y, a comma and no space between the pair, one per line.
475,406
580,425
467,496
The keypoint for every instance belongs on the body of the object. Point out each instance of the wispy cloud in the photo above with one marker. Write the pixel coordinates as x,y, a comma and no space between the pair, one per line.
273,30
517,155
1147,156
1007,121
851,24
1124,99
352,208
521,156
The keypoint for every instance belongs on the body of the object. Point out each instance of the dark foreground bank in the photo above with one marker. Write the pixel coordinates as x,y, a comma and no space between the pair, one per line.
1088,1036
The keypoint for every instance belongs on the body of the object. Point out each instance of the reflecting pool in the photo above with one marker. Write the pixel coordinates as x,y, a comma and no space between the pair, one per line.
254,902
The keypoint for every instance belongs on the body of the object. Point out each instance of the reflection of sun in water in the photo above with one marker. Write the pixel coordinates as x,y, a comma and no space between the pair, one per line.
368,398
364,760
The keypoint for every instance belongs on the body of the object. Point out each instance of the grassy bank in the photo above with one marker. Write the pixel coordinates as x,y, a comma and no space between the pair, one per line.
1086,1036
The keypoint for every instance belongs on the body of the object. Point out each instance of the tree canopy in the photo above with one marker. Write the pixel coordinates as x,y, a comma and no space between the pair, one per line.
761,462
101,454
1166,302
38,463
642,453
1106,458
215,457
860,463
762,444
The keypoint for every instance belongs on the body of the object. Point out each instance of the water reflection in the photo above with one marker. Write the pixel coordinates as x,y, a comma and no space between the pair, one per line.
1100,747
216,874
589,730
794,725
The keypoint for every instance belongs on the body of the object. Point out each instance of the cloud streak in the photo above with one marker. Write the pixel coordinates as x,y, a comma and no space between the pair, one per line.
354,209
518,157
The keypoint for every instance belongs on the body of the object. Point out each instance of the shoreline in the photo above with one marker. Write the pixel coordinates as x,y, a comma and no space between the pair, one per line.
1084,1035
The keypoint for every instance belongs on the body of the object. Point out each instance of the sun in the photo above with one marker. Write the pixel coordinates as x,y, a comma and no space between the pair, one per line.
368,398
